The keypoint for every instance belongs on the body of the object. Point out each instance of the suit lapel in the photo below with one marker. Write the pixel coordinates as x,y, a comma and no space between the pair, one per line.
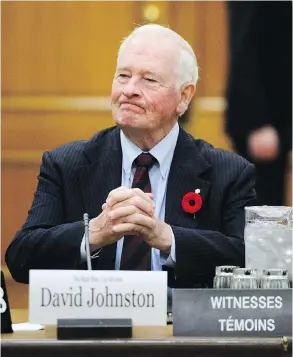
97,179
187,167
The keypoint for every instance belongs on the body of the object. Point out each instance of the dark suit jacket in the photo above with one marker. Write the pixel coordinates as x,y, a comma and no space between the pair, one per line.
77,177
259,90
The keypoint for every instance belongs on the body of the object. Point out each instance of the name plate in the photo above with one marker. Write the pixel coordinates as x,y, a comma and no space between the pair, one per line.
59,294
227,312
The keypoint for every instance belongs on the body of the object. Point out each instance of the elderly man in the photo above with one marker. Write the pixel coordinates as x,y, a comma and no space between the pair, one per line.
157,198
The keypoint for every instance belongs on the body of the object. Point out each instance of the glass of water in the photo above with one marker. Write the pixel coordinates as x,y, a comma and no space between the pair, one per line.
245,271
277,272
222,279
244,278
275,279
225,269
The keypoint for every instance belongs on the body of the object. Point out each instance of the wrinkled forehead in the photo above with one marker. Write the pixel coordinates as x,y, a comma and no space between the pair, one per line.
148,51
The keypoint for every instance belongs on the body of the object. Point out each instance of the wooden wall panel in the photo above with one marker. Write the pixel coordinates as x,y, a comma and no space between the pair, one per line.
214,34
52,130
62,47
18,186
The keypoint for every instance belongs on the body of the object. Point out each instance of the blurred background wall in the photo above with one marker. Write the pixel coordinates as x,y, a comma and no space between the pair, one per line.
58,61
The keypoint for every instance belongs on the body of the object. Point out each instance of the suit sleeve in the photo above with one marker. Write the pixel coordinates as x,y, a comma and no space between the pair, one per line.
45,241
198,252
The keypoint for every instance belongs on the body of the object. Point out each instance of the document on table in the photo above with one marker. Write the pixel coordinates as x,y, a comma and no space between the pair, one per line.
26,326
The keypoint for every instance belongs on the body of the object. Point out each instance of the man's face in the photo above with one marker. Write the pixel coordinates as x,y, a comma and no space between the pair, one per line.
144,94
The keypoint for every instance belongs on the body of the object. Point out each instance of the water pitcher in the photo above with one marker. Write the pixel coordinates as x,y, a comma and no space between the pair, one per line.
268,238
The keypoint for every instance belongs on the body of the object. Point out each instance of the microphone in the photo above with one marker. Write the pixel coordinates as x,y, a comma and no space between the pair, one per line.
91,328
87,242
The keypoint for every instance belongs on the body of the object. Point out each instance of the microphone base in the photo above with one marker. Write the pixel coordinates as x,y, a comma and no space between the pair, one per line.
82,329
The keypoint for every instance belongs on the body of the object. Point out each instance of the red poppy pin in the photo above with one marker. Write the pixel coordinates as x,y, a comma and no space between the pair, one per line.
192,202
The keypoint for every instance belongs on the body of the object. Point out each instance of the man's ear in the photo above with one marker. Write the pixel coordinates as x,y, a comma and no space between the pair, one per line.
187,92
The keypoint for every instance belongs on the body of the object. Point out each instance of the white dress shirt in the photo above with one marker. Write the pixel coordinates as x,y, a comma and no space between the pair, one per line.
158,174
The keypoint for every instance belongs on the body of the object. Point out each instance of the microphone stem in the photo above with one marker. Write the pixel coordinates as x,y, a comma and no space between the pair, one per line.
87,243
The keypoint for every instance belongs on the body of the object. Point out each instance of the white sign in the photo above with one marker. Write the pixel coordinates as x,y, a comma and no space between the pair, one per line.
140,296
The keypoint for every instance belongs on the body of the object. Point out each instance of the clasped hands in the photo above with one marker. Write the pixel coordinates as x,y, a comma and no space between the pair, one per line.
129,211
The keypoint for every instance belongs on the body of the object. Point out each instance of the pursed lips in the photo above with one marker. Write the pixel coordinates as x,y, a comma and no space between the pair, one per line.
131,104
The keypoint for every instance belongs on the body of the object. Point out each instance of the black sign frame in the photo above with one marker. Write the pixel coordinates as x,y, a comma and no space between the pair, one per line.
6,324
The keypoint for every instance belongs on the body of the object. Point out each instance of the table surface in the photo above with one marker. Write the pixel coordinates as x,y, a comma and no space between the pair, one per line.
146,341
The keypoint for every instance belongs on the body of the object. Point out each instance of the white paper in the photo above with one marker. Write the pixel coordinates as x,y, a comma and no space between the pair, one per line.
26,326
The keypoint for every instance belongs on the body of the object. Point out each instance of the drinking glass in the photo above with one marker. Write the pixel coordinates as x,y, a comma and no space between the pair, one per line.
275,282
244,282
275,279
245,271
225,269
244,278
223,281
223,277
277,272
256,273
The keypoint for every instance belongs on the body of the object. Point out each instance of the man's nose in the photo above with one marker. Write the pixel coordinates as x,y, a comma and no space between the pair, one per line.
131,88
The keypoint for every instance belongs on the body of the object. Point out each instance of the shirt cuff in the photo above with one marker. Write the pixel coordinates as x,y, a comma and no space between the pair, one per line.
169,261
83,251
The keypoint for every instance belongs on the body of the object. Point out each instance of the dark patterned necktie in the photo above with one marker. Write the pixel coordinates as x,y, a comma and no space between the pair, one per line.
136,254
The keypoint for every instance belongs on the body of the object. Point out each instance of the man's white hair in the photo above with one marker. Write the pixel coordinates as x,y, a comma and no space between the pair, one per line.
188,69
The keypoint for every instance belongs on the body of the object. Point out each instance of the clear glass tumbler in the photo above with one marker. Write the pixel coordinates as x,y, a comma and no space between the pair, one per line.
276,271
225,269
222,279
275,279
244,278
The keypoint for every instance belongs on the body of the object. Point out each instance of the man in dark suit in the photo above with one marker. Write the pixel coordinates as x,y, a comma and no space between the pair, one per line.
131,180
259,91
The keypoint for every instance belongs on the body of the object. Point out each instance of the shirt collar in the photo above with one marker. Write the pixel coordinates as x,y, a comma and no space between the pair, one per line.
163,151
